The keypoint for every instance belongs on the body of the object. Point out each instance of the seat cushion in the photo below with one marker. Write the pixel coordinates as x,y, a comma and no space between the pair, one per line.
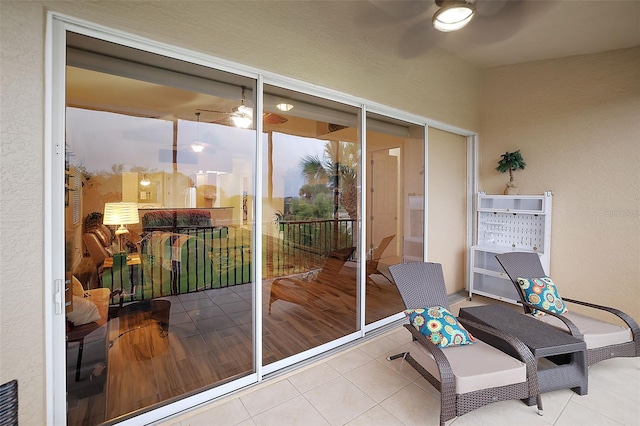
475,367
597,333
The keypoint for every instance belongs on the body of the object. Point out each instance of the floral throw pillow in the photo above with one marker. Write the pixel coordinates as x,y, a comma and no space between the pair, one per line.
542,292
440,326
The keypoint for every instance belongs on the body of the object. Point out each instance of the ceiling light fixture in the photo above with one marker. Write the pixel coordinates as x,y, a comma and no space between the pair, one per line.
197,146
241,120
245,110
452,15
243,116
284,106
145,180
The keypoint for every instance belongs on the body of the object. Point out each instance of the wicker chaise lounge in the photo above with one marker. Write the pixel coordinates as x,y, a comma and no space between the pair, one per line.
469,376
305,292
603,339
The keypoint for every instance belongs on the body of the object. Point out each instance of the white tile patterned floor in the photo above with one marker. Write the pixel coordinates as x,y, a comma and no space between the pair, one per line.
360,387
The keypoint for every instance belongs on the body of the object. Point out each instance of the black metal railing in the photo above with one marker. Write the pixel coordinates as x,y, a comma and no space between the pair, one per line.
303,245
203,258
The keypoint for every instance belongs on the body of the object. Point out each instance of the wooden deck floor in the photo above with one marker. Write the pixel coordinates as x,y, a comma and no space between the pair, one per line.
210,340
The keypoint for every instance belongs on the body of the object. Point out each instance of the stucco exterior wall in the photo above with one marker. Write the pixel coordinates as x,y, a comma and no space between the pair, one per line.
576,122
21,206
342,55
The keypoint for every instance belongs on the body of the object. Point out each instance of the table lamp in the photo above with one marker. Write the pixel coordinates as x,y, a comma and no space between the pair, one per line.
120,214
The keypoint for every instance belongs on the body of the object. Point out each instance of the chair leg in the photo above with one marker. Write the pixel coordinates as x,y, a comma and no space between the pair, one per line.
402,355
539,401
272,296
79,360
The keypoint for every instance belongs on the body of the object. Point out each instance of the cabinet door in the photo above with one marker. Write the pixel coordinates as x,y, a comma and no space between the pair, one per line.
508,203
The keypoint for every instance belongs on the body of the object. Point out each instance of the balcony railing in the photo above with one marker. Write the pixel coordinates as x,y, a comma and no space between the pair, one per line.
303,245
213,257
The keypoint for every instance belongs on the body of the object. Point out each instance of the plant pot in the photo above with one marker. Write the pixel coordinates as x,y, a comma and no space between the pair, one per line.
511,188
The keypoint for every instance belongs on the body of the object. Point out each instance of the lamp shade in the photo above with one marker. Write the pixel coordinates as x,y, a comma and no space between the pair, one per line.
120,213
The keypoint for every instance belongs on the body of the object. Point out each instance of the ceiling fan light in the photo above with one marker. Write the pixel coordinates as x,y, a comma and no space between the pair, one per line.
284,106
453,16
197,147
241,120
245,110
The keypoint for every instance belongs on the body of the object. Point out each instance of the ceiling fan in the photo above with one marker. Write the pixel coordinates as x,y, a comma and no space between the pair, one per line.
480,22
242,115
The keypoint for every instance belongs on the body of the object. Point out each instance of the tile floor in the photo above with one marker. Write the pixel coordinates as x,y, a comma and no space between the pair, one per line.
360,387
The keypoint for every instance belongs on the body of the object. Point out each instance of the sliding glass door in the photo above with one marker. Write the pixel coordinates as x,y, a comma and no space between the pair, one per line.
395,209
310,222
160,172
201,256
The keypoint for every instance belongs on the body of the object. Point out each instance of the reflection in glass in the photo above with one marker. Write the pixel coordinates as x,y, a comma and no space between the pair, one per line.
169,311
395,213
310,223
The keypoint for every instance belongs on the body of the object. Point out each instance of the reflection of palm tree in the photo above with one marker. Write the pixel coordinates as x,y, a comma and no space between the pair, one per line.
338,169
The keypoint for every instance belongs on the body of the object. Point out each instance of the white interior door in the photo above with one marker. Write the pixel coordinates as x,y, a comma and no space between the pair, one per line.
383,214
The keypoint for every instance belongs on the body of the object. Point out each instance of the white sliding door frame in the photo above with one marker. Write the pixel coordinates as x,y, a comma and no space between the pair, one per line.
55,62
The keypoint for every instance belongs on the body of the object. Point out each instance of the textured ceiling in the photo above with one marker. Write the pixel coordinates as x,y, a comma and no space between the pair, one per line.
505,32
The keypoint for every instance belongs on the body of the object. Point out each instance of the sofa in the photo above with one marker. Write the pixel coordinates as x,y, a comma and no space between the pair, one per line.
181,250
180,219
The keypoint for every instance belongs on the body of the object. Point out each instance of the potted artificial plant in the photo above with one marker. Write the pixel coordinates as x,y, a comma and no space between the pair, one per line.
511,161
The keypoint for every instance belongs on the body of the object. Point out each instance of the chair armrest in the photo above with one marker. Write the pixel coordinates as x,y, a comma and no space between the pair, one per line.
447,380
631,323
519,350
573,330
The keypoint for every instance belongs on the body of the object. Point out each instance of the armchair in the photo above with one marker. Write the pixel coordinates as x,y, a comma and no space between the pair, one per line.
98,250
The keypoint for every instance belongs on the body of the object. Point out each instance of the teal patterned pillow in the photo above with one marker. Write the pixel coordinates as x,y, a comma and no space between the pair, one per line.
542,292
440,326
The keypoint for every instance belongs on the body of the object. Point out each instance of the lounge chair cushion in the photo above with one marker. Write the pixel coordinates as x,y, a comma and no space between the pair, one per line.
542,292
596,333
475,367
440,326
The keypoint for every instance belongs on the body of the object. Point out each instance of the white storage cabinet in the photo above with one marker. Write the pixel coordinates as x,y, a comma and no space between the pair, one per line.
507,223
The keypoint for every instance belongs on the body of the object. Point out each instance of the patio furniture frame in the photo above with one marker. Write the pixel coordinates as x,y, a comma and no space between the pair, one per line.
422,284
527,265
565,361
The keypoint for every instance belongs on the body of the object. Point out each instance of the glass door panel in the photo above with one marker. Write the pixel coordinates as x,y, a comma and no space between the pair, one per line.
159,225
310,222
395,213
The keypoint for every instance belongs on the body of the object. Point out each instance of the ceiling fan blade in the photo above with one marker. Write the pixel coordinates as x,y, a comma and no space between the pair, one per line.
386,11
213,110
267,117
419,39
271,118
501,21
489,8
